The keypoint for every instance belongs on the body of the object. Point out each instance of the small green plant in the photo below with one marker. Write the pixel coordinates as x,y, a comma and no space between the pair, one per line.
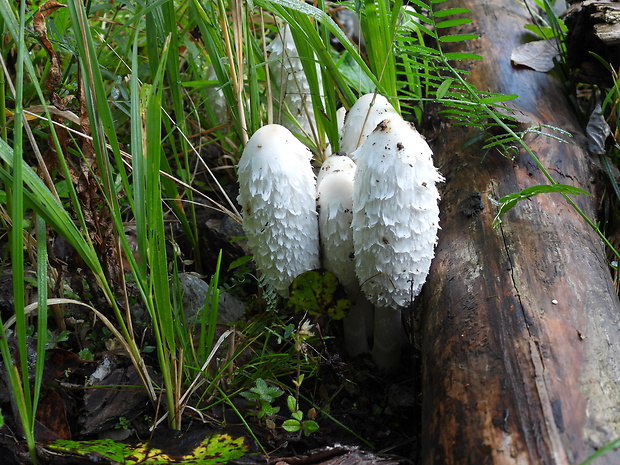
86,354
123,423
262,396
54,339
295,423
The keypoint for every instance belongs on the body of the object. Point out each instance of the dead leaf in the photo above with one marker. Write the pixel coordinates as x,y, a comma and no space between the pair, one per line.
538,55
52,418
52,81
597,131
58,362
40,28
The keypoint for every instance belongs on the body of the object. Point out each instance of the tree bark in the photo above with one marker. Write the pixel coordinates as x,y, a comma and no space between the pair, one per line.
521,324
593,26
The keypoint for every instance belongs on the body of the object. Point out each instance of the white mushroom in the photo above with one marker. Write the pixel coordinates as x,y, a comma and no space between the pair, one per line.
278,196
341,114
335,207
395,223
362,119
334,204
294,89
217,101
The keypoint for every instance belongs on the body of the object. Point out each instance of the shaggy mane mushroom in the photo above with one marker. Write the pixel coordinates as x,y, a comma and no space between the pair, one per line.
395,223
277,195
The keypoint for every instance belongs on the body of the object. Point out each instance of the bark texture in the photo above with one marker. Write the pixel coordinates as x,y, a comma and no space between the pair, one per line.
593,26
521,327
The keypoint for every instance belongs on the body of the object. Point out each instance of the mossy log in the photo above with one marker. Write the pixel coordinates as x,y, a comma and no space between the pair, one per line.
521,324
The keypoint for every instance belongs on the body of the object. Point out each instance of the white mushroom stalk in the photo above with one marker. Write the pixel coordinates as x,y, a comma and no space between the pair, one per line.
335,206
362,119
277,194
217,101
294,90
395,223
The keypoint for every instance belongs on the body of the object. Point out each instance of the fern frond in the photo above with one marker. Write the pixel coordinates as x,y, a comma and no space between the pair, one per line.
268,293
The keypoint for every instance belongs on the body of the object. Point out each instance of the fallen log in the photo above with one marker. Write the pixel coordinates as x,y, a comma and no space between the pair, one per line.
521,324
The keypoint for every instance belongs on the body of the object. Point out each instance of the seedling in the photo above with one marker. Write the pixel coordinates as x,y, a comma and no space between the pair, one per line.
263,396
123,423
295,423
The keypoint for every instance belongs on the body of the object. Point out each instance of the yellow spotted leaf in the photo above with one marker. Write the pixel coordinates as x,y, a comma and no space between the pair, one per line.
215,449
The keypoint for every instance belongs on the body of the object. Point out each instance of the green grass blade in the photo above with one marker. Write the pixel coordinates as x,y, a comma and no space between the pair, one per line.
42,267
102,123
379,27
208,320
173,75
602,451
45,204
104,137
20,382
159,291
138,162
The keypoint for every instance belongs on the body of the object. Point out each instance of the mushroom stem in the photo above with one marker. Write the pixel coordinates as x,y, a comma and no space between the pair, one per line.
389,338
358,326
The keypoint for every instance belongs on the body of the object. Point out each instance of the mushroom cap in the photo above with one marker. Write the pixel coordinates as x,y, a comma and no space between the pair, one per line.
277,195
335,206
294,89
395,213
362,119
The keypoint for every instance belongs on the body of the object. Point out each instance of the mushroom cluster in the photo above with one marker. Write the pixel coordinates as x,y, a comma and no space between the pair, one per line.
377,221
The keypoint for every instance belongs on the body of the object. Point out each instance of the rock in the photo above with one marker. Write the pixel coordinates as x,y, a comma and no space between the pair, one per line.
230,309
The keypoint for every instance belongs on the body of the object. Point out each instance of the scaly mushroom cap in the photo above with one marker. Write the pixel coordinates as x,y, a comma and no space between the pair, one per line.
278,196
395,213
335,206
294,89
362,119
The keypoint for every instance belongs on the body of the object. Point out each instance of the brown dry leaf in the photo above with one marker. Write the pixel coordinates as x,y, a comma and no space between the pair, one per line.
597,130
538,55
62,103
51,83
58,362
43,12
40,28
96,213
52,418
86,183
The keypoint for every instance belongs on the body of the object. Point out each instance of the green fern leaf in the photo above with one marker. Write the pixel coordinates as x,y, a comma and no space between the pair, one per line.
457,38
